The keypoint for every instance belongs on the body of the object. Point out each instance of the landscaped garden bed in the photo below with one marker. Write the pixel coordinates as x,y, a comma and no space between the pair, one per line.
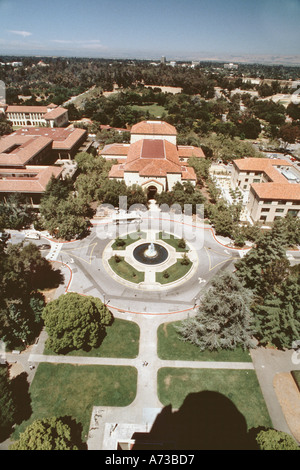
174,272
125,270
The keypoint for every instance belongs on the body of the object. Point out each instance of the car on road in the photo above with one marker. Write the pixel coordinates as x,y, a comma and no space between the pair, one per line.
32,235
44,246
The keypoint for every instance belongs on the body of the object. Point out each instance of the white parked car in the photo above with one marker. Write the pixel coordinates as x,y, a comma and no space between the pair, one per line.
32,235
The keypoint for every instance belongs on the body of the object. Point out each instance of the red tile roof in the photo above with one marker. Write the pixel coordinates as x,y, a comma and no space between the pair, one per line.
277,191
277,188
114,149
32,179
259,164
188,151
153,128
63,138
55,113
188,173
154,158
117,171
18,150
26,109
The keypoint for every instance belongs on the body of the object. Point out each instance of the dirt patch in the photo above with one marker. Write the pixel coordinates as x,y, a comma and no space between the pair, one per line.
289,398
165,330
49,294
167,381
15,369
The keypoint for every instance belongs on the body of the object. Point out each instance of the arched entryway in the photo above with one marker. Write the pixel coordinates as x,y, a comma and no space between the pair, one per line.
151,192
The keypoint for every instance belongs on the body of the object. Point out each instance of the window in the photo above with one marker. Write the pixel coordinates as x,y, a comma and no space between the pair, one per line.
267,202
256,180
245,186
265,210
279,210
293,212
263,217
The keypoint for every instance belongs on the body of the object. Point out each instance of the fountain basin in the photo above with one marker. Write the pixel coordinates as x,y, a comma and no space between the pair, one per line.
156,254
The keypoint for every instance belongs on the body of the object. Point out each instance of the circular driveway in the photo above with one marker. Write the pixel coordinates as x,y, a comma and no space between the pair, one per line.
89,275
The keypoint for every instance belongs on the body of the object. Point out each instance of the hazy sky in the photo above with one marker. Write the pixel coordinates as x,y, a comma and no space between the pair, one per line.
150,28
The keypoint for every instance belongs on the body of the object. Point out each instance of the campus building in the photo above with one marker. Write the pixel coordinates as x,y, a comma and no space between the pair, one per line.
41,116
29,157
152,159
273,187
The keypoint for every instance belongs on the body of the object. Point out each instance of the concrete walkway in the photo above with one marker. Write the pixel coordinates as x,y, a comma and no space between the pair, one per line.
268,363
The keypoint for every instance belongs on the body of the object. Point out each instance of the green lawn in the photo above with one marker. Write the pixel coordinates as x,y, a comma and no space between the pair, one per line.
241,387
171,347
121,340
172,241
126,271
128,240
296,376
153,109
176,271
72,390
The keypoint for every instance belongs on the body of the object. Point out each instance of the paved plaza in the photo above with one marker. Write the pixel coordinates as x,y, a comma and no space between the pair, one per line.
85,271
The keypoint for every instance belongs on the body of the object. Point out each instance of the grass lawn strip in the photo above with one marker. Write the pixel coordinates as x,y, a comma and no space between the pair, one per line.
128,240
296,377
126,271
121,340
176,271
239,386
171,347
154,109
172,241
64,389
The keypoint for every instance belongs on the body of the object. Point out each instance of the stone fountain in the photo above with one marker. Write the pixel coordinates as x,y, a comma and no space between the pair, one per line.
151,251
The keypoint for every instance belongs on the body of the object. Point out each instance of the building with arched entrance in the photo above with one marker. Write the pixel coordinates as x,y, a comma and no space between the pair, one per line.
153,159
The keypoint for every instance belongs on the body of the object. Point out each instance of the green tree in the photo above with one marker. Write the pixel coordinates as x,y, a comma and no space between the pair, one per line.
7,404
46,434
224,319
277,314
23,272
271,439
5,126
264,266
75,322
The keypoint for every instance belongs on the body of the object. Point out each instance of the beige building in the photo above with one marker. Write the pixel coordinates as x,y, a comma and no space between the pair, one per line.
48,116
152,159
274,190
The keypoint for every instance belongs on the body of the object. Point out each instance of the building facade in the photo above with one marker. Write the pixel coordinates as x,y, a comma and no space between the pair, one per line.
152,159
36,116
273,187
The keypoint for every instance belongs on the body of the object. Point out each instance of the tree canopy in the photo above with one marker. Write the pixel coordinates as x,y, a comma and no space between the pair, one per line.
75,322
46,434
24,272
224,319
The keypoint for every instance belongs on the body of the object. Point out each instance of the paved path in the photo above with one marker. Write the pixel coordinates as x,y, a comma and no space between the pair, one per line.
268,363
